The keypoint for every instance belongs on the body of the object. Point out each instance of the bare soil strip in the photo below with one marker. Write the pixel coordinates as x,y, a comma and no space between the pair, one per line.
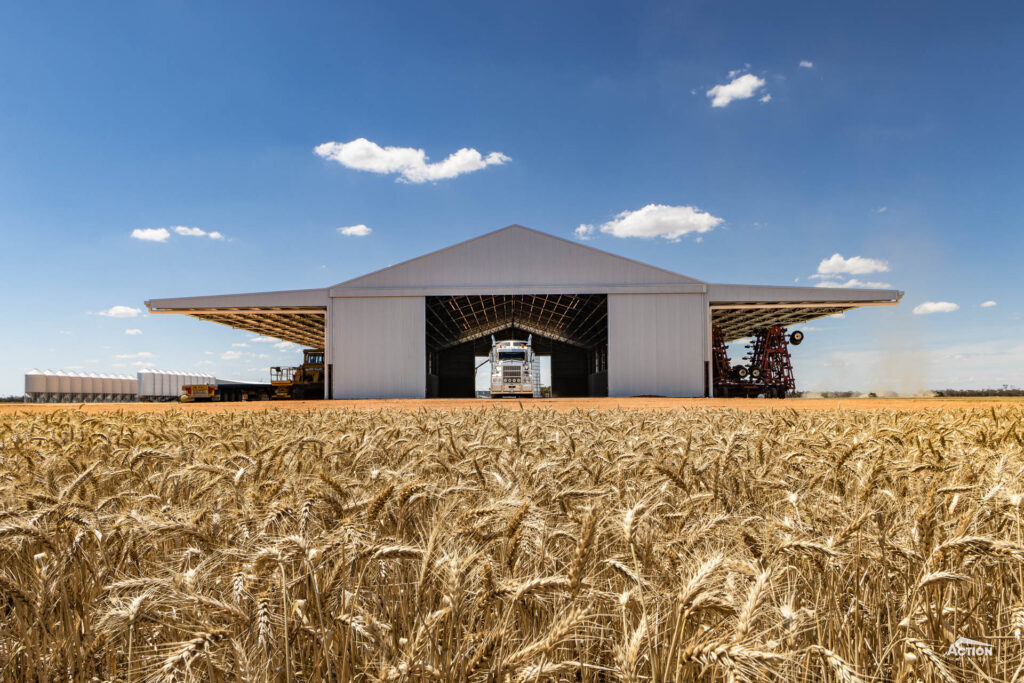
560,404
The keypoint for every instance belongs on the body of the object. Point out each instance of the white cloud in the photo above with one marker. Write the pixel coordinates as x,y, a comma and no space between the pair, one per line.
355,231
883,209
740,88
852,282
584,232
263,340
240,345
806,64
141,364
659,220
231,355
767,97
140,354
121,312
408,163
929,307
196,232
133,331
151,234
855,265
988,304
205,362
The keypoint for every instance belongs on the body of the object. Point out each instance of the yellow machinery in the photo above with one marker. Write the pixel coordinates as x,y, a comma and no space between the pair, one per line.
303,382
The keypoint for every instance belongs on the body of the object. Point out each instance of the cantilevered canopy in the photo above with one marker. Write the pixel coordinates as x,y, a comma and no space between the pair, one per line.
578,319
740,310
295,316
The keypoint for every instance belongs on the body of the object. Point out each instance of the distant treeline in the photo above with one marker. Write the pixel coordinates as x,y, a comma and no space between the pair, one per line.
12,399
1005,391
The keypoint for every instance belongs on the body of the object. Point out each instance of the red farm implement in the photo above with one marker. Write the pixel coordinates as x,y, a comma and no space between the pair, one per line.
768,370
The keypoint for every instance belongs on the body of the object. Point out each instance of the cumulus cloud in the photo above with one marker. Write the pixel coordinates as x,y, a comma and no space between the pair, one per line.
988,304
355,231
240,344
121,312
853,282
163,234
409,164
231,355
806,64
133,331
767,97
140,354
151,234
855,265
263,340
196,232
740,88
883,209
929,307
659,220
584,232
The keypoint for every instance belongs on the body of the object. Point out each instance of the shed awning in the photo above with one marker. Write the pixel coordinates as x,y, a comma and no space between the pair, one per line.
295,316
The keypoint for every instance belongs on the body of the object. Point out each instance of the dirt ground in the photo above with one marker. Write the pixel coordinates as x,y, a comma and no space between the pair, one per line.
632,403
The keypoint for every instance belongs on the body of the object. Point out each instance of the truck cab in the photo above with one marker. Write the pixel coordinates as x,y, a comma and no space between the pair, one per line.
515,369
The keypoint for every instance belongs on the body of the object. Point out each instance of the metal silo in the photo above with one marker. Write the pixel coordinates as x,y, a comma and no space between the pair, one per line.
77,386
109,387
94,387
52,385
147,383
35,385
63,386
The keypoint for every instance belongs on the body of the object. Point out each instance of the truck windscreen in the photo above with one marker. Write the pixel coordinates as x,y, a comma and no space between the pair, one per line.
512,355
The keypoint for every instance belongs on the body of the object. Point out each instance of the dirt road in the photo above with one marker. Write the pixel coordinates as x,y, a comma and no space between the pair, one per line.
632,403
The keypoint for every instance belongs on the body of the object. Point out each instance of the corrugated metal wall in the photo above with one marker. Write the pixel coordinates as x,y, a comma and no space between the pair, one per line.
656,344
378,347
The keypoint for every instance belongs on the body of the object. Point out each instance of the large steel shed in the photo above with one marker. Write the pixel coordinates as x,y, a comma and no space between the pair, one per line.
613,326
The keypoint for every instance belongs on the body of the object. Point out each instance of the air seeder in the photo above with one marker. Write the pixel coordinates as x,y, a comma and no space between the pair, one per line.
768,371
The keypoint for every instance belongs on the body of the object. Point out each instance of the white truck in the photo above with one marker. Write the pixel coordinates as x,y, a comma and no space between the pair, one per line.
515,370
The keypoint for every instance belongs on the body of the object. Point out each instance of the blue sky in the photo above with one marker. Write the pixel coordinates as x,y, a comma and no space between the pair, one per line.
898,142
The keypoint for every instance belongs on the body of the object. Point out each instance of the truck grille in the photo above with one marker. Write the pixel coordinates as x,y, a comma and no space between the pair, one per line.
511,372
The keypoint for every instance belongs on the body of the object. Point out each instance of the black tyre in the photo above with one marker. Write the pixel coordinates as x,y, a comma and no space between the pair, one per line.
796,338
742,372
755,373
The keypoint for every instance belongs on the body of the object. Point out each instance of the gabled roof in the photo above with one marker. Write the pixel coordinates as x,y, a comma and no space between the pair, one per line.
515,256
518,261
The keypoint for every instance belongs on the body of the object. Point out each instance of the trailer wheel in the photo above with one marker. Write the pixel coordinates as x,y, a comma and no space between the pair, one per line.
742,372
756,373
796,338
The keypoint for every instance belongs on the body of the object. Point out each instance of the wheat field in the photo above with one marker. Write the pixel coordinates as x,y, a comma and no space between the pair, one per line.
505,545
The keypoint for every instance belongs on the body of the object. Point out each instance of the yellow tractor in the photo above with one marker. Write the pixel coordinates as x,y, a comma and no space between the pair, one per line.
303,382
